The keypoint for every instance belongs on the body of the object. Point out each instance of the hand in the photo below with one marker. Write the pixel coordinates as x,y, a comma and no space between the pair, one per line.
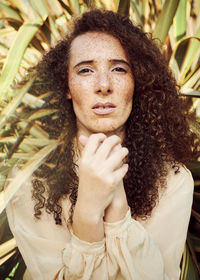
118,208
101,170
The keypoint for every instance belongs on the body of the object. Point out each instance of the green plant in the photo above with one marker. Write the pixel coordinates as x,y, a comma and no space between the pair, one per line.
27,30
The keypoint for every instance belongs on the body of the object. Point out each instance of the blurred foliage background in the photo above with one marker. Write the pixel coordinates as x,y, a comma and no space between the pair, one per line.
27,30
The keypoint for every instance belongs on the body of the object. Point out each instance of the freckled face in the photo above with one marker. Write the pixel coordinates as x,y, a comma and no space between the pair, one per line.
101,84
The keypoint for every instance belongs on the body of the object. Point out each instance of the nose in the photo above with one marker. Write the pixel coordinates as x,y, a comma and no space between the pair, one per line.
103,84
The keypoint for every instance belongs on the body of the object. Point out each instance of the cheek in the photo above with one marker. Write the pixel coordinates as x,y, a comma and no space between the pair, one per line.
75,91
79,91
78,102
129,96
127,90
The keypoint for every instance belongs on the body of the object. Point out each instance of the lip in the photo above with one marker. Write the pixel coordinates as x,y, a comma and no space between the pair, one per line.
101,108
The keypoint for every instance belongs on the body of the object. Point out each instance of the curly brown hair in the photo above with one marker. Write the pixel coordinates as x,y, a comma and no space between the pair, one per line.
157,133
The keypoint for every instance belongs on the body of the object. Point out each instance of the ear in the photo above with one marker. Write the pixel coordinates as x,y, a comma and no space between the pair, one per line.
68,95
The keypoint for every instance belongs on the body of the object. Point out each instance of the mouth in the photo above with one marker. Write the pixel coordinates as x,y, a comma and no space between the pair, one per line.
103,108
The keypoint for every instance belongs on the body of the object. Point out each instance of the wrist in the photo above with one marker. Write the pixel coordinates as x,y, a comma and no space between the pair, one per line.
87,226
117,208
114,214
87,212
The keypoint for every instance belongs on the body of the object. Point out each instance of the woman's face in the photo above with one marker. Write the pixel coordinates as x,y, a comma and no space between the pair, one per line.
101,83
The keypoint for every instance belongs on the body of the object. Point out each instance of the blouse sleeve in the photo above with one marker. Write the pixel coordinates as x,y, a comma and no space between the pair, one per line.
127,253
136,250
168,224
131,250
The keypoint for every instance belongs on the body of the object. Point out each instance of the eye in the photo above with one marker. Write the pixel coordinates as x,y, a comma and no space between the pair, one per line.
84,71
119,69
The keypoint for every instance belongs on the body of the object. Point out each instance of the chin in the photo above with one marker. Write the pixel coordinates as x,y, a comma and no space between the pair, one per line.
107,129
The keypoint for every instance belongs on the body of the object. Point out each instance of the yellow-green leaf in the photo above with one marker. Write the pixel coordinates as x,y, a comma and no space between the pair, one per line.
40,7
22,175
165,19
11,107
180,23
15,54
11,13
192,51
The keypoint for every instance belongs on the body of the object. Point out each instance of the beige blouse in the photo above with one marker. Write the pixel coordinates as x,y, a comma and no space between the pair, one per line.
131,250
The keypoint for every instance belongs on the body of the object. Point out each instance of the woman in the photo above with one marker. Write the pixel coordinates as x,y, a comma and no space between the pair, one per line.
118,190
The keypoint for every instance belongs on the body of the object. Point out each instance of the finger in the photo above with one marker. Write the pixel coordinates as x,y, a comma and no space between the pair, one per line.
120,173
83,140
115,160
107,146
94,141
116,148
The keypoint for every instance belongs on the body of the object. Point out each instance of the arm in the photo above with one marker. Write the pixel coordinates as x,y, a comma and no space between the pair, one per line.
129,253
167,226
114,262
100,172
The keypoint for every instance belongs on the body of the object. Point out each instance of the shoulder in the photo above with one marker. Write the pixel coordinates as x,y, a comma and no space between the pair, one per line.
179,179
178,189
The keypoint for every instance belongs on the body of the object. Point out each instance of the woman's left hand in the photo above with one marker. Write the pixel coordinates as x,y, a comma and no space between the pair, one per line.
119,206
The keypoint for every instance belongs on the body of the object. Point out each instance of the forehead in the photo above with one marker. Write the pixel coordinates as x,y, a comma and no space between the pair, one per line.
93,45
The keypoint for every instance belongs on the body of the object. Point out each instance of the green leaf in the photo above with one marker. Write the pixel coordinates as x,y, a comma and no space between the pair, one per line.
165,19
175,57
36,131
18,156
15,54
189,92
40,7
3,222
42,113
32,101
22,6
137,10
22,175
30,141
192,80
11,107
192,52
53,28
188,269
7,247
180,23
7,31
74,6
10,12
67,8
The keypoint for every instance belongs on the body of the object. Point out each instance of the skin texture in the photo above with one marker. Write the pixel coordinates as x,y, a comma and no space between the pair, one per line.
99,72
104,79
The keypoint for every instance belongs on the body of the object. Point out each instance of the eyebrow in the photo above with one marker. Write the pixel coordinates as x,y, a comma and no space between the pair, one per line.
111,60
84,62
119,61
